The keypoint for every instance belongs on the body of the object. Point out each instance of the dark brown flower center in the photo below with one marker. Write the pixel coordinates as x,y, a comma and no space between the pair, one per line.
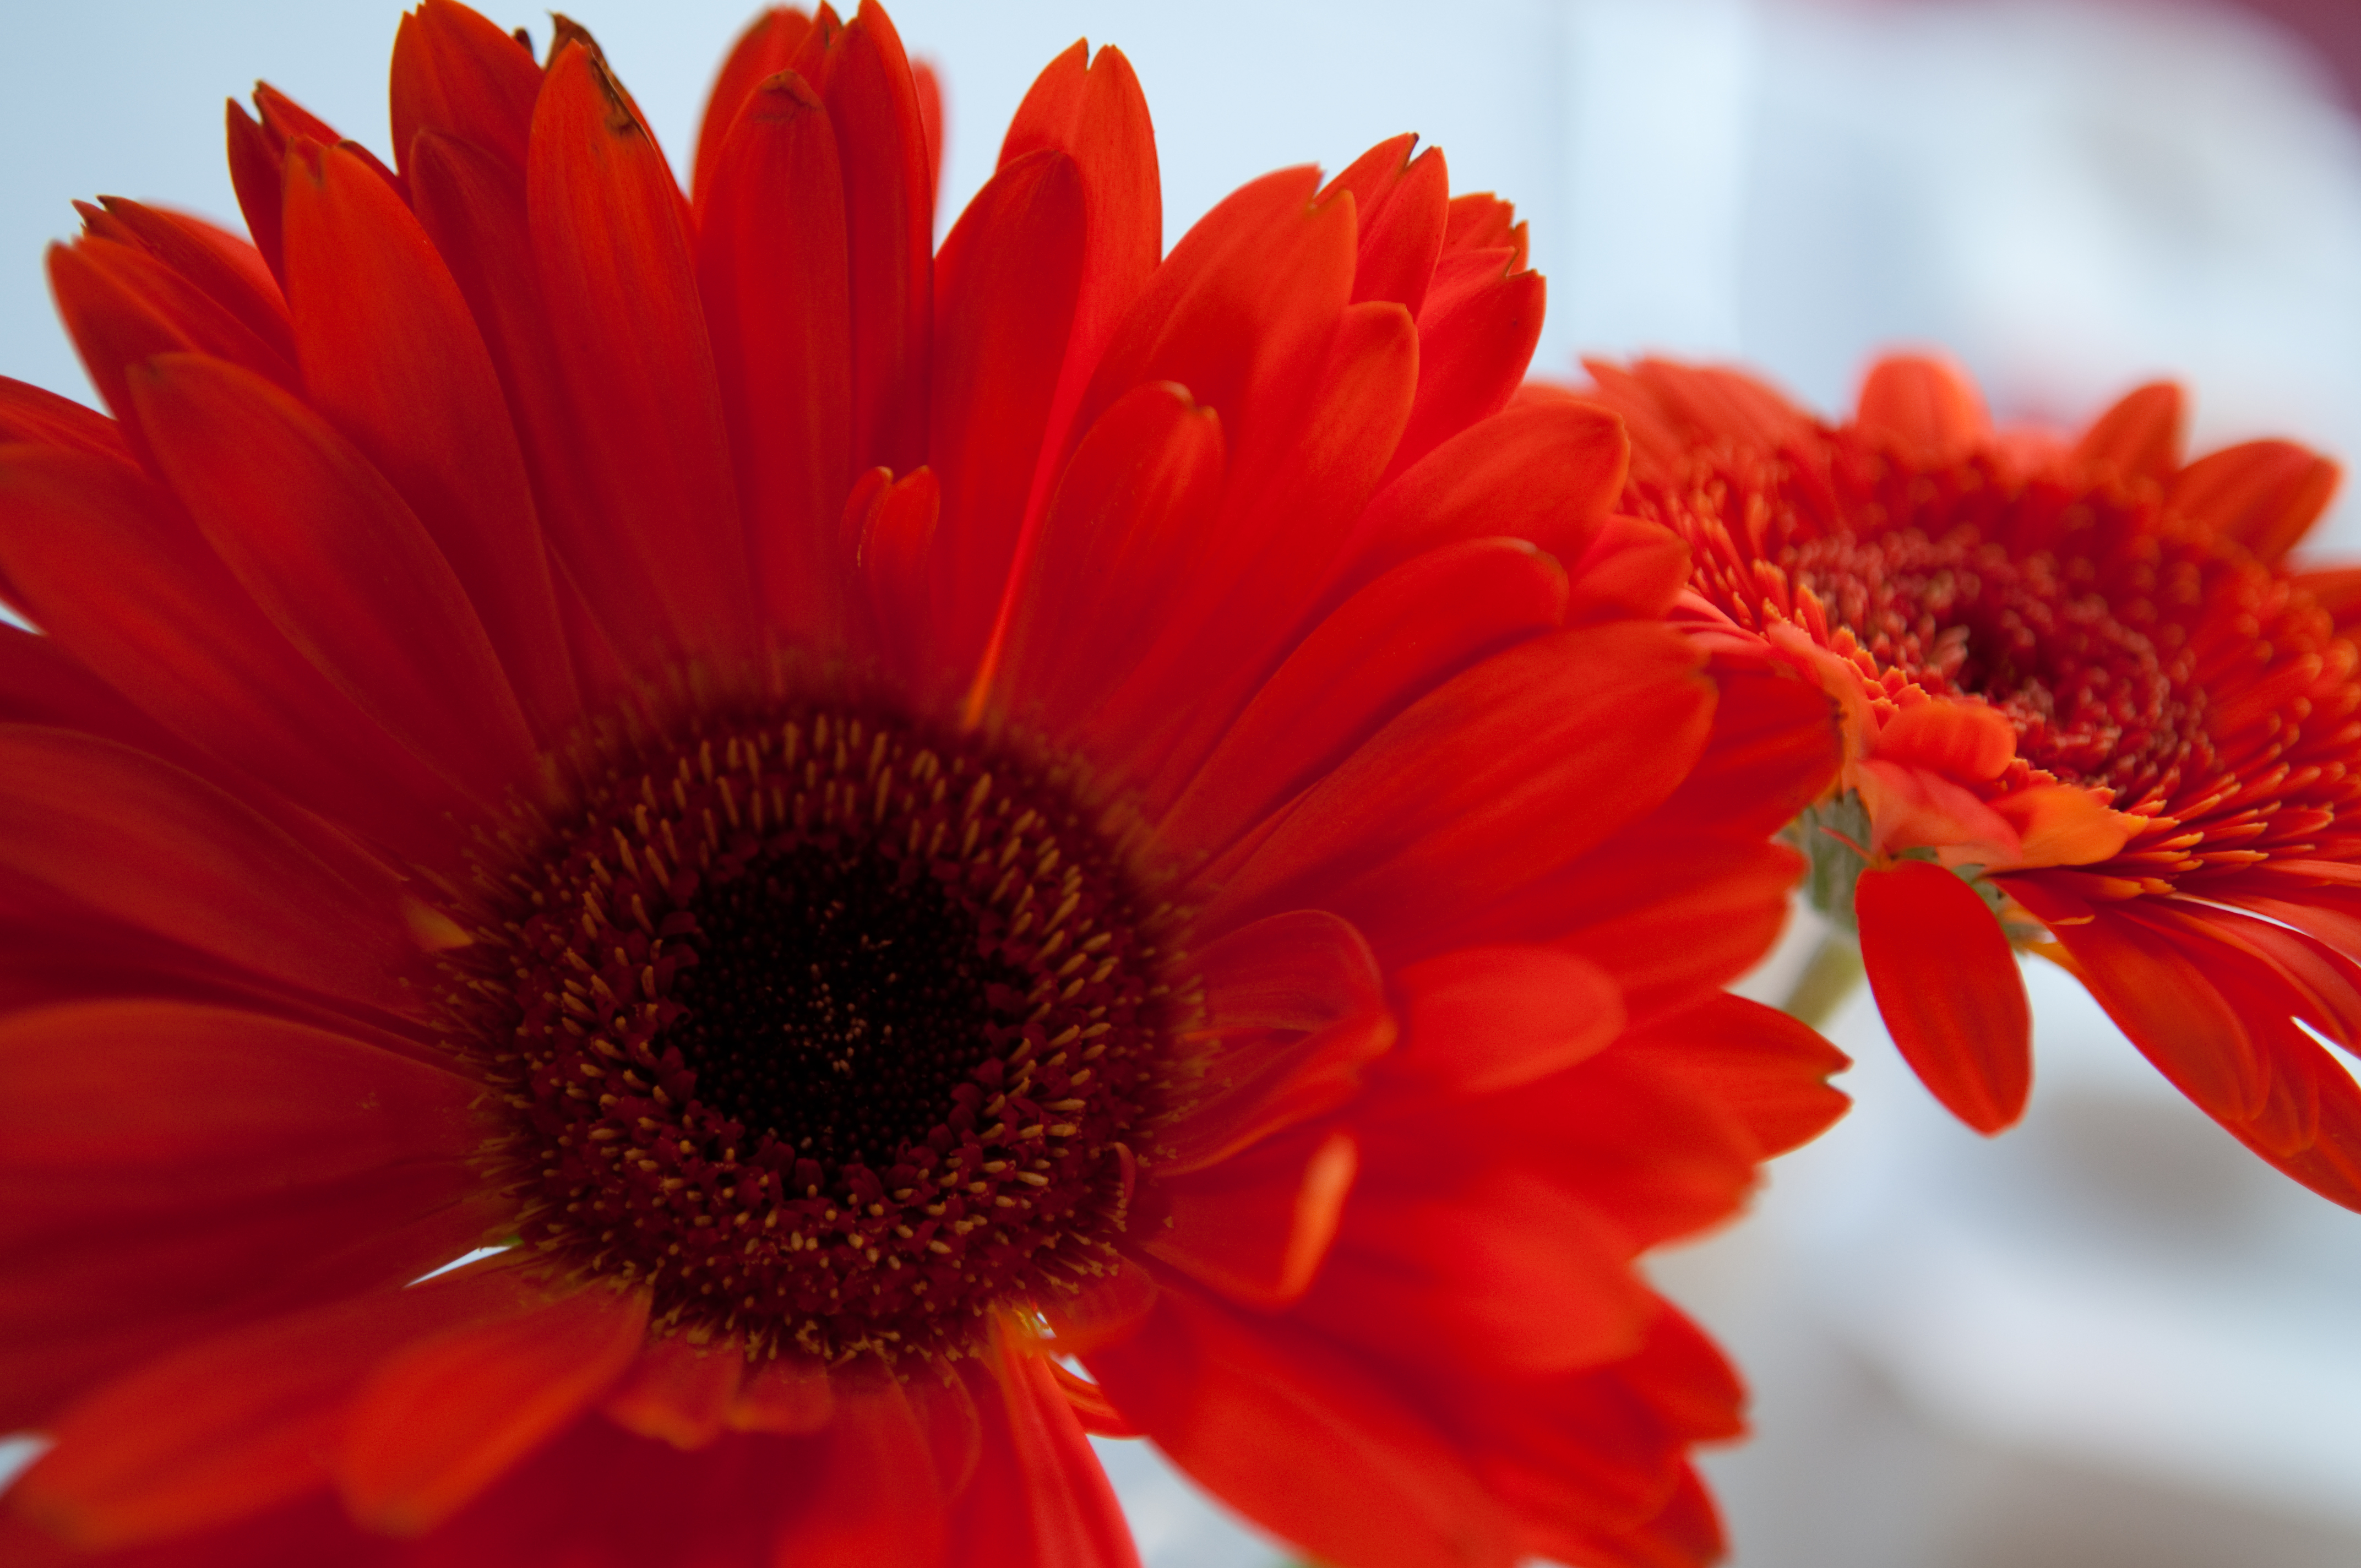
829,1030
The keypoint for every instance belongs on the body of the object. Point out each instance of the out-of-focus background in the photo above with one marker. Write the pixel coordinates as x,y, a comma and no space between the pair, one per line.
2107,1338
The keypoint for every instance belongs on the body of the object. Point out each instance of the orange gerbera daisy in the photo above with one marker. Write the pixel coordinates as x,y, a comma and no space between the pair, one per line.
886,824
2087,705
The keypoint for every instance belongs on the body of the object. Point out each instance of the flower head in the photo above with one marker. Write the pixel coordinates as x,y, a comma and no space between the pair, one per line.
882,823
2087,703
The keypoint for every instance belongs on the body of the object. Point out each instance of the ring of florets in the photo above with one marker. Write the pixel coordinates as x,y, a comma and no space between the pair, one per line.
829,1030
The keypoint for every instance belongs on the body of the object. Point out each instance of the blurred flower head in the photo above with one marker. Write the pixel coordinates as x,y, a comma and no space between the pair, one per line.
2087,703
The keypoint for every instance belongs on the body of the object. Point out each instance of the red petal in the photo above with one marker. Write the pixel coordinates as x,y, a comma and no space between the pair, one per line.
1475,336
679,1393
1259,570
458,74
1240,1402
1256,1225
1483,1019
232,1106
864,78
1929,405
930,126
1775,746
1006,287
107,568
1133,501
790,1395
474,209
1041,1499
898,544
1765,1068
2140,436
436,1424
872,1495
1946,981
122,306
1095,115
1652,1158
391,356
1106,1310
31,413
619,287
219,264
2160,995
42,683
233,1425
1481,221
89,1300
2264,494
133,839
338,562
1295,1007
1402,204
1672,913
1463,797
1385,648
254,159
771,260
1512,1272
767,48
1241,313
1544,472
1630,570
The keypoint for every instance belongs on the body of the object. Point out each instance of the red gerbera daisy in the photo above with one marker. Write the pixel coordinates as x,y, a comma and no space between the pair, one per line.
885,822
2081,675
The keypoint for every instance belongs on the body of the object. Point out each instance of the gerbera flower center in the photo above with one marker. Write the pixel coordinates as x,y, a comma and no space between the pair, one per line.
2055,606
829,1030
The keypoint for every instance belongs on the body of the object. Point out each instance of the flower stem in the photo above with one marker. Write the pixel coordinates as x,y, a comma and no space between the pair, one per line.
1832,975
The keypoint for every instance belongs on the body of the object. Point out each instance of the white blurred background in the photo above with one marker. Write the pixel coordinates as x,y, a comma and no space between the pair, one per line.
2109,1338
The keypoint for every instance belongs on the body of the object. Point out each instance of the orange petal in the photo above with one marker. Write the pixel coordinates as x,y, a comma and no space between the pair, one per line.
1547,473
1767,1069
1948,988
1927,403
231,1425
1382,649
1913,808
1483,1019
2140,436
2264,494
789,1394
1239,1399
437,1424
2061,825
1403,207
679,1393
1255,1226
1964,740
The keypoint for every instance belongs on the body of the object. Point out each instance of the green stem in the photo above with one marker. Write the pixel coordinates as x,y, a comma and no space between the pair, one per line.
1831,976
